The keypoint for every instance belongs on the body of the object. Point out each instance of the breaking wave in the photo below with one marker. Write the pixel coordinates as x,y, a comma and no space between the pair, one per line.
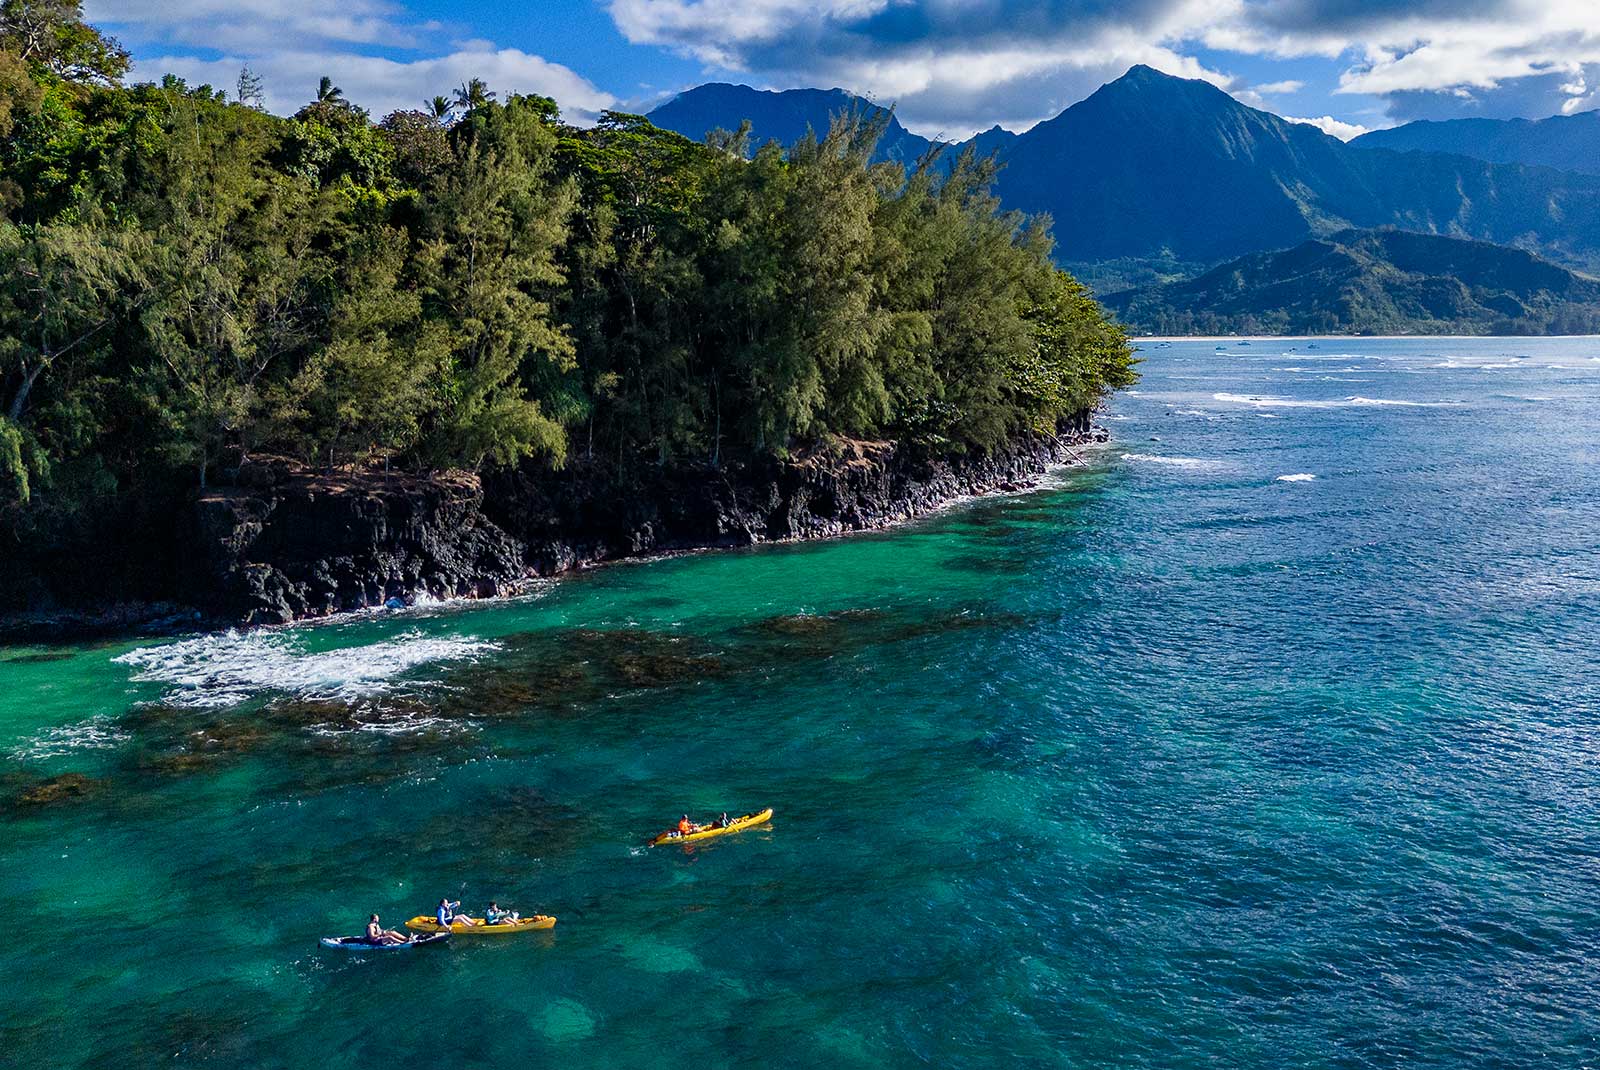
224,669
94,734
1276,402
1175,462
1297,477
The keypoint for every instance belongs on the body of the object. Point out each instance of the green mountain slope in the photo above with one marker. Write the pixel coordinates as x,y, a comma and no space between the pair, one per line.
1374,282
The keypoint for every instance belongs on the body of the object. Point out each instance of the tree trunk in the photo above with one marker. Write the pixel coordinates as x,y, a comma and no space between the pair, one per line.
18,403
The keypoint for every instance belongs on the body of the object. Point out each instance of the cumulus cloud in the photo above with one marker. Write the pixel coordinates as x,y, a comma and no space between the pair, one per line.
383,85
291,44
242,25
949,62
1329,125
952,68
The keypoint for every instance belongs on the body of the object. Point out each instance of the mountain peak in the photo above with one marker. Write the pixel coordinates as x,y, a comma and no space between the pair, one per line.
783,115
1143,81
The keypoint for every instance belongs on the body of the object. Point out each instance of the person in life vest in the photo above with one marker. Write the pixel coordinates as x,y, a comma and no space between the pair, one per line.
447,917
684,826
495,916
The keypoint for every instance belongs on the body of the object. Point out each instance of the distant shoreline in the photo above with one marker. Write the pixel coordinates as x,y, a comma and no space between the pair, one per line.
1136,338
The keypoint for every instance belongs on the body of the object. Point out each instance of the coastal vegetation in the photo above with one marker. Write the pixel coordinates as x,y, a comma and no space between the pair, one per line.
189,280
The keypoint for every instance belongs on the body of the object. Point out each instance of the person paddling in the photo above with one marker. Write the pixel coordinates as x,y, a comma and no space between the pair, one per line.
446,915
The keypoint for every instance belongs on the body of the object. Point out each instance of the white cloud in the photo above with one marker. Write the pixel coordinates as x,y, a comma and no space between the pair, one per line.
1329,125
291,44
249,25
384,85
961,61
951,69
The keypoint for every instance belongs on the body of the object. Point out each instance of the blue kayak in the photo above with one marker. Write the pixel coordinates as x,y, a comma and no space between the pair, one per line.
361,943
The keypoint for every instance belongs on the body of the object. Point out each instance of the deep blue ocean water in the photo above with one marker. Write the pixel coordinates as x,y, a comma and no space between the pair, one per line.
1270,738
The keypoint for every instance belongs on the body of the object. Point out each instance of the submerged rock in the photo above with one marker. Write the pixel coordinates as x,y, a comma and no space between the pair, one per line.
64,787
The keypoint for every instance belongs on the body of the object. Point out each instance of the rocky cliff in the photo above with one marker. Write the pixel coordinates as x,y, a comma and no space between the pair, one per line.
287,543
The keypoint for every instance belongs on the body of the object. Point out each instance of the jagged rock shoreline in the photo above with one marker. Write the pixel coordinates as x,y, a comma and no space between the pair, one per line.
283,542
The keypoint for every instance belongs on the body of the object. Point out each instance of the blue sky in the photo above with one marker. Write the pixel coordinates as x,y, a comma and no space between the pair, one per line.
951,66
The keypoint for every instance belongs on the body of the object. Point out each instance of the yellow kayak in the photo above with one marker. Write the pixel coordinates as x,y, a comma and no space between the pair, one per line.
424,923
736,825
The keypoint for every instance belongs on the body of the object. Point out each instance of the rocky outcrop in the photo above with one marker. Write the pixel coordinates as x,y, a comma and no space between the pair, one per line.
287,543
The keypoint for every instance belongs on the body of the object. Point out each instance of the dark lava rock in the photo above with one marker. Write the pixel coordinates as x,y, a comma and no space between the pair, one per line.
66,787
285,542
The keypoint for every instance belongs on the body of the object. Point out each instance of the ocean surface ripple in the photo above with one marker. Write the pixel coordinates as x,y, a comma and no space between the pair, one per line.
1270,739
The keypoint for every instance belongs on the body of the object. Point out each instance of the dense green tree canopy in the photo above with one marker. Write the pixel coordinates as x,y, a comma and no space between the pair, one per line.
186,280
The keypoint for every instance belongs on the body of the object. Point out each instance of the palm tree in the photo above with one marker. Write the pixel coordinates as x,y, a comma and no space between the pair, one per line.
328,93
473,94
439,107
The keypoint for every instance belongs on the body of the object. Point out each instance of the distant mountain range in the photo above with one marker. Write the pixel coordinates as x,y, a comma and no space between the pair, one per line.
1372,282
1163,176
1565,142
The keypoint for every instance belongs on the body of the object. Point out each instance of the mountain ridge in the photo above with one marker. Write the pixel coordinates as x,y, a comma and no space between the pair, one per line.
780,115
1151,166
1564,142
1368,282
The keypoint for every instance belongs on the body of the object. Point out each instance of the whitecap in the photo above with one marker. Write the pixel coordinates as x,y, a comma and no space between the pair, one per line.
1391,401
1297,477
1176,462
1277,402
226,668
94,734
389,723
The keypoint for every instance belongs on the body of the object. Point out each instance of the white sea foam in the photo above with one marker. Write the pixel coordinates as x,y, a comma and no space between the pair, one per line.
1297,477
1176,462
1320,371
94,734
1275,402
222,669
390,723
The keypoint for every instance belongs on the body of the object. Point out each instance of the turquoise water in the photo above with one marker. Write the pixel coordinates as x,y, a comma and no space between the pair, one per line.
1177,763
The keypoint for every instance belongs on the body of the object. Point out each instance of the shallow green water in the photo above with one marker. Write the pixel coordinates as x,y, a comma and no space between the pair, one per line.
1176,764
